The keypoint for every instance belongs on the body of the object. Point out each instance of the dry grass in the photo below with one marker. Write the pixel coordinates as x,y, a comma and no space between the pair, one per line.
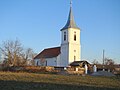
53,81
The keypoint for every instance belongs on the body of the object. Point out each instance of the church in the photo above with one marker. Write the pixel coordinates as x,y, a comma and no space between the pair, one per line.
69,50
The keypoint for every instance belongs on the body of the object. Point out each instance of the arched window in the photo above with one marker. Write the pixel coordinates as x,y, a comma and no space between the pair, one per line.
64,36
37,64
74,36
46,62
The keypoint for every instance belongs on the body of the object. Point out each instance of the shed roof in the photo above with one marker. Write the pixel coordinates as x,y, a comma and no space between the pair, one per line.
78,63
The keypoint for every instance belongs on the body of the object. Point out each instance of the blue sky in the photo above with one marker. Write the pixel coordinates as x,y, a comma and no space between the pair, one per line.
37,24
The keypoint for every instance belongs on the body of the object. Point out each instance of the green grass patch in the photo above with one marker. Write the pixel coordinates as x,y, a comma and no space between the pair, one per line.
34,81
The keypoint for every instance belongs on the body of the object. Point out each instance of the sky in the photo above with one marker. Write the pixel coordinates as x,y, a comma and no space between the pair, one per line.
37,24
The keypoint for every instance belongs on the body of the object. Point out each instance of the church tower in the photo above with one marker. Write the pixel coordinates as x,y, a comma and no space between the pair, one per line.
70,41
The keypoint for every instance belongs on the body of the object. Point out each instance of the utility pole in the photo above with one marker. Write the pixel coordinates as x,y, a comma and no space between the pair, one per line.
103,60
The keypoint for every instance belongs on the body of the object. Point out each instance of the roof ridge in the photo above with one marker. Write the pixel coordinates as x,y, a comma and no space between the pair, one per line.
51,48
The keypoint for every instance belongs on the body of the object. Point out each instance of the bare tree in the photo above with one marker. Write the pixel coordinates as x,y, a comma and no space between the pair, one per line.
95,61
15,54
110,63
28,55
12,51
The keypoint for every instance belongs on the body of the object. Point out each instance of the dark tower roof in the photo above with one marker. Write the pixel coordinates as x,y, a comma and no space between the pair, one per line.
70,22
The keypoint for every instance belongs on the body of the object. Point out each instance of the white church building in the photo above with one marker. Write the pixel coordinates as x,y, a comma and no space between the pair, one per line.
69,50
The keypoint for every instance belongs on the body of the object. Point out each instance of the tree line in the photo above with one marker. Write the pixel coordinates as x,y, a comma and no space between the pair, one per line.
15,54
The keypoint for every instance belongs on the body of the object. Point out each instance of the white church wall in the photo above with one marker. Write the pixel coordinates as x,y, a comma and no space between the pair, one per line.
74,45
47,62
55,61
51,61
64,49
59,63
74,53
64,55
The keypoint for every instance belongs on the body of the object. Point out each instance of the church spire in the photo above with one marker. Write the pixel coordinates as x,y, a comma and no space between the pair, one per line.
70,3
70,22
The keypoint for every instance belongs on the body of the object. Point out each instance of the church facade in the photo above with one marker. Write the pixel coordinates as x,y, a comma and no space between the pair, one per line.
69,50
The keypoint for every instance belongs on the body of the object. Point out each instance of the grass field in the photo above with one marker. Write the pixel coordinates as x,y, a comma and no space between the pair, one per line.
34,81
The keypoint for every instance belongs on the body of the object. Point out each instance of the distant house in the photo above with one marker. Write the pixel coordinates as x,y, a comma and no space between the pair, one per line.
48,57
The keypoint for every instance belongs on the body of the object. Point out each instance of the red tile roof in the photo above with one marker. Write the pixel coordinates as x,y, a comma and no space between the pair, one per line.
48,53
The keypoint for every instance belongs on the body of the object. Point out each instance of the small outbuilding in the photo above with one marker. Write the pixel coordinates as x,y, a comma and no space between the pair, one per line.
81,65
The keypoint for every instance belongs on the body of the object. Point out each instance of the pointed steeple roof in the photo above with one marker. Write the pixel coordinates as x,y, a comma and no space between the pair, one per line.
70,22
